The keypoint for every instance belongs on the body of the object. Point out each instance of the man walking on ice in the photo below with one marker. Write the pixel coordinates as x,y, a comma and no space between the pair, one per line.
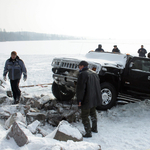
142,51
88,97
14,66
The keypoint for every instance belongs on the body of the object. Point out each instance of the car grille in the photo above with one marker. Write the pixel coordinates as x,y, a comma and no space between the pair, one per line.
73,65
64,64
69,65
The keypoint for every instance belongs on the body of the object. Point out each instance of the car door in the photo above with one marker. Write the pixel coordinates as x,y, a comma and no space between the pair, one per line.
138,77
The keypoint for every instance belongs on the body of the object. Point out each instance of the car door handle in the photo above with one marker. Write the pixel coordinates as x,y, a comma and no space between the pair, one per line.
148,77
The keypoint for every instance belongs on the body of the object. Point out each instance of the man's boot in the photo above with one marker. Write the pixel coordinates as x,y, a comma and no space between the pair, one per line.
88,131
94,126
17,100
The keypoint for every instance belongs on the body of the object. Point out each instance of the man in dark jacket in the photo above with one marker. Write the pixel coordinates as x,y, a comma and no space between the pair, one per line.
142,51
88,97
99,49
14,66
148,55
115,49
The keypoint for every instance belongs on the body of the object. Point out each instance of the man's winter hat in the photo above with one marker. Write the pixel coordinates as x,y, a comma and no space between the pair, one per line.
100,45
14,53
115,45
83,63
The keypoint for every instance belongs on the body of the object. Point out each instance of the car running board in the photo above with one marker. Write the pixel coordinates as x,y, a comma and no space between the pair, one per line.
127,98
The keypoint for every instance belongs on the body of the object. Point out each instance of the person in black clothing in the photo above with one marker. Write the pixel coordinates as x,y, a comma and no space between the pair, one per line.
88,96
142,51
99,49
14,66
148,55
115,49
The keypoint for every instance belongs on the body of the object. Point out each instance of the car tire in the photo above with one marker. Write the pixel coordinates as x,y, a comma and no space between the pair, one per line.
109,93
61,93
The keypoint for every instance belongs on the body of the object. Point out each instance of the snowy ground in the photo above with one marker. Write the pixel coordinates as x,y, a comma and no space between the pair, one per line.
125,127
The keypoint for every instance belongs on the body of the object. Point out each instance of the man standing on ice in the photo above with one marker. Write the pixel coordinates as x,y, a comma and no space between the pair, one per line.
115,49
14,66
148,55
99,49
142,51
88,96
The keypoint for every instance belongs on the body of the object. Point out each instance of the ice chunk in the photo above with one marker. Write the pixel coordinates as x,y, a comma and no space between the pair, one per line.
33,126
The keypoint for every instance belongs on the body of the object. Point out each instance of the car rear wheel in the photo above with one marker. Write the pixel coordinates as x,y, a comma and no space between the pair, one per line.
61,93
108,92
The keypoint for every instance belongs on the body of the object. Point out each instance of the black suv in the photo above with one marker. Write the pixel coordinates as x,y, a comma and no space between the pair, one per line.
123,78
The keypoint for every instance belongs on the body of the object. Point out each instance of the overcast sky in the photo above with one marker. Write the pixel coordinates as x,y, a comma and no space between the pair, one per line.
87,18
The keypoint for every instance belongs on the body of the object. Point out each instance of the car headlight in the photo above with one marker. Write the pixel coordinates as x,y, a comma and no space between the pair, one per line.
94,68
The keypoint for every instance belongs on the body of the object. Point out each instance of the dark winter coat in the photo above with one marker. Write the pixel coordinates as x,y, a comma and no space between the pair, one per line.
15,68
142,52
88,89
116,50
99,50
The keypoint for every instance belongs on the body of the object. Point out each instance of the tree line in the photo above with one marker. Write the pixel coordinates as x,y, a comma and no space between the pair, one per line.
32,36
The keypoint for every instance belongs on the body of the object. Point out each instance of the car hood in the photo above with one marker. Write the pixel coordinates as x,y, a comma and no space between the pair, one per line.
103,59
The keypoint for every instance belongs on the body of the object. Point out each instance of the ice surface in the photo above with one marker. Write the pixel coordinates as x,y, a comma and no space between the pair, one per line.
52,134
124,127
15,117
33,126
68,129
44,99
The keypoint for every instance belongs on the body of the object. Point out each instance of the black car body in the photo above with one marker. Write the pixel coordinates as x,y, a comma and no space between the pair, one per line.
122,77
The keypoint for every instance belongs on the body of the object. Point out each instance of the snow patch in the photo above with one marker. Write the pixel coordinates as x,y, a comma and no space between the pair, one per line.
14,117
44,99
68,129
33,126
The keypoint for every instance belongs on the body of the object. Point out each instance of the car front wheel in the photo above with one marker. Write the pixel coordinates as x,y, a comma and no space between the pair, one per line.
61,93
108,92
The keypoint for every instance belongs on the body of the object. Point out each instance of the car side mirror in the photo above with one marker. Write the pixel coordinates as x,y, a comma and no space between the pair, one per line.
131,65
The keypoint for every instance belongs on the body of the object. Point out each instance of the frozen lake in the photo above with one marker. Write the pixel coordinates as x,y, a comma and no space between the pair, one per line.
123,127
70,47
38,55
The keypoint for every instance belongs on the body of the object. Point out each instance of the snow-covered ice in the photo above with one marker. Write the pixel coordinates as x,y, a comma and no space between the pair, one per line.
33,126
124,127
68,129
14,117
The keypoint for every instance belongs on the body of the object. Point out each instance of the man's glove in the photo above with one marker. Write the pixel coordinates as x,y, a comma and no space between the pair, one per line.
4,77
25,78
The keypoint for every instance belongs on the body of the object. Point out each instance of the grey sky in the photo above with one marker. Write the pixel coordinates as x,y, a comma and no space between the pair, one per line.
92,18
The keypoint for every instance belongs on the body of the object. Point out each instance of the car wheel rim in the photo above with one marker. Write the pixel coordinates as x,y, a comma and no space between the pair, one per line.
106,96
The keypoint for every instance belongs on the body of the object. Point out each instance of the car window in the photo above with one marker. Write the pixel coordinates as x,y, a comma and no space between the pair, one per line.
142,65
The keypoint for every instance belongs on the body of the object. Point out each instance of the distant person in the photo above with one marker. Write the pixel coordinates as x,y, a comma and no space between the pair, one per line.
115,49
142,51
14,66
99,49
148,55
88,97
